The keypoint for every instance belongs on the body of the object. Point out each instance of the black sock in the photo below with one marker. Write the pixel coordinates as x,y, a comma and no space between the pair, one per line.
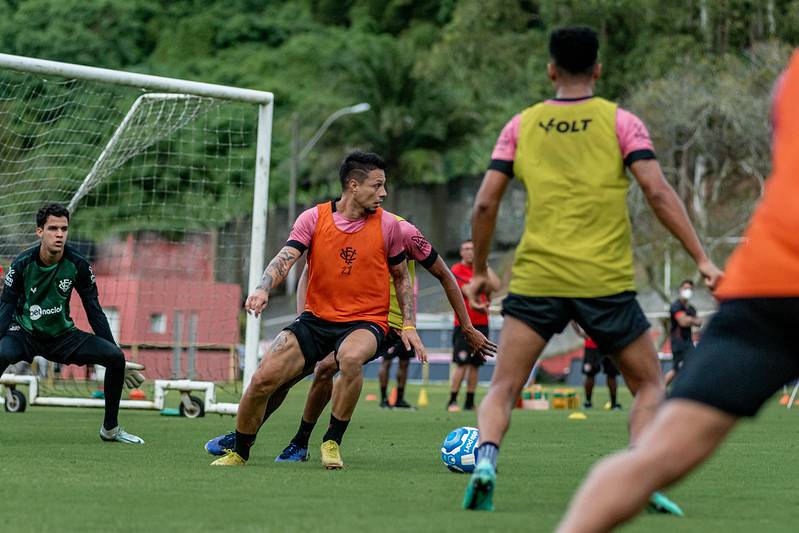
384,393
336,429
488,451
303,433
588,397
112,387
469,400
243,444
612,399
400,393
453,397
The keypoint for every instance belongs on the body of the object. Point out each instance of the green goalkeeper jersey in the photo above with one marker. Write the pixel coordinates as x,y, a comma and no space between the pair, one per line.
40,294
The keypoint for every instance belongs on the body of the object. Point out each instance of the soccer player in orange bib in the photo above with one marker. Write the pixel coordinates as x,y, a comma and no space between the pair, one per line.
574,261
353,247
748,350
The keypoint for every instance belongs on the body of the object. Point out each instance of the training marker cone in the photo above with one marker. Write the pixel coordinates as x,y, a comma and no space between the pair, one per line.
577,416
422,401
392,398
785,399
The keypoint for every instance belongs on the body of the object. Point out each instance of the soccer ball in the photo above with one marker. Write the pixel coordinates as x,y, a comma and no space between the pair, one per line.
459,449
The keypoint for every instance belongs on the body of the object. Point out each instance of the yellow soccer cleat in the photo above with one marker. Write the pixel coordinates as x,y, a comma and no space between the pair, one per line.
331,457
230,458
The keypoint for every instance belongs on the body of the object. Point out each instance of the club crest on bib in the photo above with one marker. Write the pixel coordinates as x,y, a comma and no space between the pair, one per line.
64,285
348,255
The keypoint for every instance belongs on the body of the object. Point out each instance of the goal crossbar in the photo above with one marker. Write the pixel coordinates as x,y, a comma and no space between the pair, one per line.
144,81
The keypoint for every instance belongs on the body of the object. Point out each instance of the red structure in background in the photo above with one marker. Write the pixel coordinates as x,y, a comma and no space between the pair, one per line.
144,283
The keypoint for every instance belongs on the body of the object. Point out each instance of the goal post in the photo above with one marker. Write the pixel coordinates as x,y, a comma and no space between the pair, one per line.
156,171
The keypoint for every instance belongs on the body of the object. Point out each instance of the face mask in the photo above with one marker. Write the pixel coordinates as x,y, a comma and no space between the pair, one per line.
686,294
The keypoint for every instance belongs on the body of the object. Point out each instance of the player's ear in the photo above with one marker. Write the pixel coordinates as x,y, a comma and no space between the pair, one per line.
39,232
552,71
596,72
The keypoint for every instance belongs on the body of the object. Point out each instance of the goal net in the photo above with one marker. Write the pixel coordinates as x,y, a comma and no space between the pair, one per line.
160,177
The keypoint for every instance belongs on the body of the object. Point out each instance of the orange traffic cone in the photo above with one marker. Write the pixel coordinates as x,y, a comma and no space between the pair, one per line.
785,399
392,398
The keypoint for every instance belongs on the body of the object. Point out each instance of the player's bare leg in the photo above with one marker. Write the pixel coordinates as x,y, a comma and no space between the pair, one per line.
385,368
638,363
402,380
472,374
282,363
321,389
457,378
588,385
357,348
613,388
519,348
694,429
316,401
670,375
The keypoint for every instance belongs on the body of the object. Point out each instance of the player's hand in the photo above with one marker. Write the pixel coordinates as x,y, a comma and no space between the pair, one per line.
479,284
256,302
412,341
479,344
711,274
133,378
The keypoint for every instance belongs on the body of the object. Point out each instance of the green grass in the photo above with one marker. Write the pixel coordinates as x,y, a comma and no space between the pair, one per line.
58,476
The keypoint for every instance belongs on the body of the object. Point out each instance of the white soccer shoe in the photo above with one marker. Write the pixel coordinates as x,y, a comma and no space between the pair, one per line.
119,435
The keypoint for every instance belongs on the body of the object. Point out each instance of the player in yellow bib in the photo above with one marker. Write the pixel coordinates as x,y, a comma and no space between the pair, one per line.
574,261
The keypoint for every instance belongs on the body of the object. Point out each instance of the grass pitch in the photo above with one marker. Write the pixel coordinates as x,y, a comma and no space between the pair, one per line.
58,476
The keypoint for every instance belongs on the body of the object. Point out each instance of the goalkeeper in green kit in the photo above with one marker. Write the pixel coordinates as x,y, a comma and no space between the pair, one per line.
35,318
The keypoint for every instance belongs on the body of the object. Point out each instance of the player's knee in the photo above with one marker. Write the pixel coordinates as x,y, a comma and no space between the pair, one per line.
114,357
262,384
349,364
325,370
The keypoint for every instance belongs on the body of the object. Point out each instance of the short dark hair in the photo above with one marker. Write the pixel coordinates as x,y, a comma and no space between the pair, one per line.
48,210
357,165
574,49
687,282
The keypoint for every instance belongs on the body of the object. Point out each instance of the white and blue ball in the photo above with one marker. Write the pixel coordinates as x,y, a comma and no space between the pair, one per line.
459,450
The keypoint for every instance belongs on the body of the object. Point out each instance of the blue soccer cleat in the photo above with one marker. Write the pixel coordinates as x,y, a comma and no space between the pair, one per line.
480,490
292,454
219,445
659,503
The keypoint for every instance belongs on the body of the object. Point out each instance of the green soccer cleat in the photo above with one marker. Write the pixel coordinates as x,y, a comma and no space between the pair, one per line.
659,503
480,490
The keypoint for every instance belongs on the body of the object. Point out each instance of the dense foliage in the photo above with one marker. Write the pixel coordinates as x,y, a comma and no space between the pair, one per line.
442,77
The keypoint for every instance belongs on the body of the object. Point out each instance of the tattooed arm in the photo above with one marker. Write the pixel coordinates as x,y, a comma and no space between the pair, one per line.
402,283
275,273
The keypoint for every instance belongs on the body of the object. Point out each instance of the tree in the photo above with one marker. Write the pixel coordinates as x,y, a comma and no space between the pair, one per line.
709,123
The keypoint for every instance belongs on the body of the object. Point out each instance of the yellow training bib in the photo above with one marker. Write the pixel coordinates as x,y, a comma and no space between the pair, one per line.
577,239
394,312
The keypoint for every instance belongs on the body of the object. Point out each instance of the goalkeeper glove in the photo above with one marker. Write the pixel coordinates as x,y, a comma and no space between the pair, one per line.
133,378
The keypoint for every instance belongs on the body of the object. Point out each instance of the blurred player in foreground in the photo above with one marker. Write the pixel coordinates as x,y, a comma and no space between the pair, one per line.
746,354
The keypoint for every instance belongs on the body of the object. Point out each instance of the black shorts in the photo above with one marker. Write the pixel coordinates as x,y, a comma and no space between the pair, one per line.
318,337
392,346
747,352
57,349
613,322
461,352
678,357
594,361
